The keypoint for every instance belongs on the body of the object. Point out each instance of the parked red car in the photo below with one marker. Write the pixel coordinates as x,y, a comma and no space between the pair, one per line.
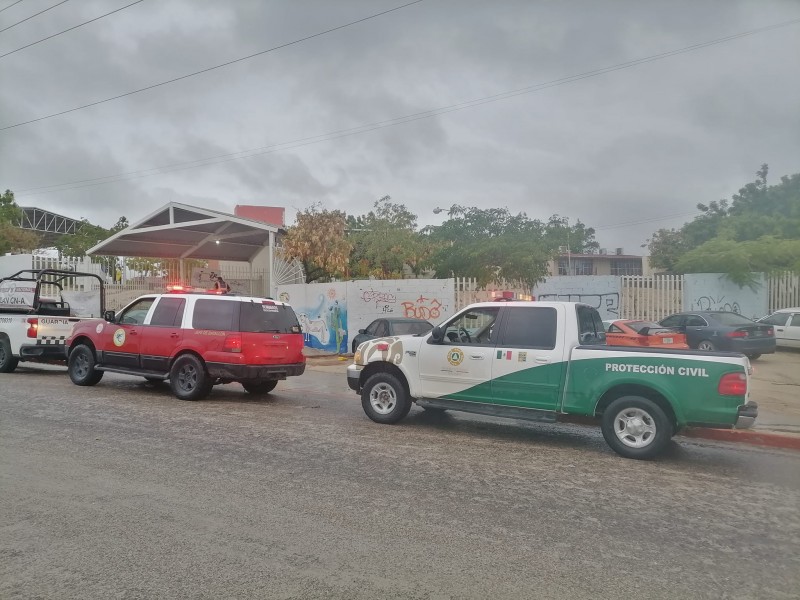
626,332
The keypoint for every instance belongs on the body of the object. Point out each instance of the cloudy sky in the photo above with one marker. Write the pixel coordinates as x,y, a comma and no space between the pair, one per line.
625,151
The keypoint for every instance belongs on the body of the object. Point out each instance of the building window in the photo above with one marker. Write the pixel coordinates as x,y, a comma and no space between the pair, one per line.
628,266
583,266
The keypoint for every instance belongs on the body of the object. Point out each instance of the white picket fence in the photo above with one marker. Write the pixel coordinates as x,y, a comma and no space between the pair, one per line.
650,298
784,291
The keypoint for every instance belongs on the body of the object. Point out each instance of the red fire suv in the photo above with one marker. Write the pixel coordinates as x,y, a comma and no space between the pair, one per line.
194,339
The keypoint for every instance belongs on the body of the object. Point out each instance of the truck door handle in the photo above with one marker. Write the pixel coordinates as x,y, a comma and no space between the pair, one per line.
779,329
476,356
132,332
173,335
542,361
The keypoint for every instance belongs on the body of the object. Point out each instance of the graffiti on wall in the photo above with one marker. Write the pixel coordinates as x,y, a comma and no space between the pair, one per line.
713,291
384,301
716,303
430,309
208,279
604,303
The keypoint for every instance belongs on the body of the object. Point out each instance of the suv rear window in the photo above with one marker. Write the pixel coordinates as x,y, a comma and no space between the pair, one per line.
267,317
216,314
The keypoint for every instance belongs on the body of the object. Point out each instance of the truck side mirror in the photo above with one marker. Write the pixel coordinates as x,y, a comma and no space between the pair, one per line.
437,334
109,316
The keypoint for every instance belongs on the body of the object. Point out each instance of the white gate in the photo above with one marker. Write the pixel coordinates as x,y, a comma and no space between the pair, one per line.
784,291
651,298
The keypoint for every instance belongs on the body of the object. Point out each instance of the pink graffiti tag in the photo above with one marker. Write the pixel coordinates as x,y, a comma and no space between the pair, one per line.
421,310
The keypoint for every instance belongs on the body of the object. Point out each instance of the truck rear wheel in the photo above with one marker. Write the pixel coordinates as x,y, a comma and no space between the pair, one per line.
384,399
7,361
636,427
260,387
188,378
81,366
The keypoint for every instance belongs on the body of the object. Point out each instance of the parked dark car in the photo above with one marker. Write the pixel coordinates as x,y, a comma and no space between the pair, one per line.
724,331
388,327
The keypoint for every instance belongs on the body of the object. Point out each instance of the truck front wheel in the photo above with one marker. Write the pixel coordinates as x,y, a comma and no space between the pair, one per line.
636,427
7,361
81,366
384,398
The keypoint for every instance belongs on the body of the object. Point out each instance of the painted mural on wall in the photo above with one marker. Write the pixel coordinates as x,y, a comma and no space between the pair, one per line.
322,311
599,291
713,291
331,314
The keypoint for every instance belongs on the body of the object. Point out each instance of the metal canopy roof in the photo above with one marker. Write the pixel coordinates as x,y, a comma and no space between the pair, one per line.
181,231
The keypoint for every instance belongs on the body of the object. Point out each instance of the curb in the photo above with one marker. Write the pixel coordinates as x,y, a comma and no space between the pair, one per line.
745,436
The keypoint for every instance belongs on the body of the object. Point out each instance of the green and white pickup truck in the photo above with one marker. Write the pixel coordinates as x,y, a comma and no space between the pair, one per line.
546,361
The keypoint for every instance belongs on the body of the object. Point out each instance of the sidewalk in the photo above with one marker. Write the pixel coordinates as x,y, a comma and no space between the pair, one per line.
775,386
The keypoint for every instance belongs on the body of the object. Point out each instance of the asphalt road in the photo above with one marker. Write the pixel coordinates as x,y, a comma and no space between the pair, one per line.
122,491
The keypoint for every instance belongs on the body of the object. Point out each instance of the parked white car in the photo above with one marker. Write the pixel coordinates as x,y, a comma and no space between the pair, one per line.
787,326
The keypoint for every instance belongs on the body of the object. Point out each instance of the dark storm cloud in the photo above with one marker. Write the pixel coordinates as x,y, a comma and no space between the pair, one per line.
634,145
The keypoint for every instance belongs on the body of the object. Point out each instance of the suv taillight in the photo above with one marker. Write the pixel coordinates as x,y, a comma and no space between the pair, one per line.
233,343
33,328
733,384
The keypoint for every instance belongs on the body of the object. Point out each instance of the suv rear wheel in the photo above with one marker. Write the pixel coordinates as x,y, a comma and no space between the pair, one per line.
260,387
188,378
81,366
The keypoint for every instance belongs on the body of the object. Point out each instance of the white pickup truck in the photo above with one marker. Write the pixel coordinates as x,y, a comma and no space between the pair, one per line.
547,361
38,309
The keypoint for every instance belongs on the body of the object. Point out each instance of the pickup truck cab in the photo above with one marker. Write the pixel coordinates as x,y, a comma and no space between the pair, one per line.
195,339
38,308
546,361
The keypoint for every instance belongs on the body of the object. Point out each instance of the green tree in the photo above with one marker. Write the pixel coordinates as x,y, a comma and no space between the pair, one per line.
317,240
12,237
755,231
88,235
492,244
385,241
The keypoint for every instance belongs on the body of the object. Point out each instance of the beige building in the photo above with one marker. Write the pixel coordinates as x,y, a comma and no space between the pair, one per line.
601,263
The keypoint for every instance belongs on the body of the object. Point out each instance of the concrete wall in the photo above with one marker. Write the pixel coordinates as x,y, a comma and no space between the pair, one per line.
332,313
599,291
12,263
713,291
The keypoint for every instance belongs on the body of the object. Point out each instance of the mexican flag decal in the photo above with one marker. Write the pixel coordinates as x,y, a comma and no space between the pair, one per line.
504,354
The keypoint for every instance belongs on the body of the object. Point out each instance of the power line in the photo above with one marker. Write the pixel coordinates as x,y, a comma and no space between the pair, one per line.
36,15
367,127
225,64
49,37
10,5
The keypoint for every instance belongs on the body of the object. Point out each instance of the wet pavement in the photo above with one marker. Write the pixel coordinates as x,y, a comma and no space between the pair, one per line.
121,490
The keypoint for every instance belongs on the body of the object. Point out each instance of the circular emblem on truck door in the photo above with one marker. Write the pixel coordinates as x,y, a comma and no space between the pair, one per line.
455,356
119,337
